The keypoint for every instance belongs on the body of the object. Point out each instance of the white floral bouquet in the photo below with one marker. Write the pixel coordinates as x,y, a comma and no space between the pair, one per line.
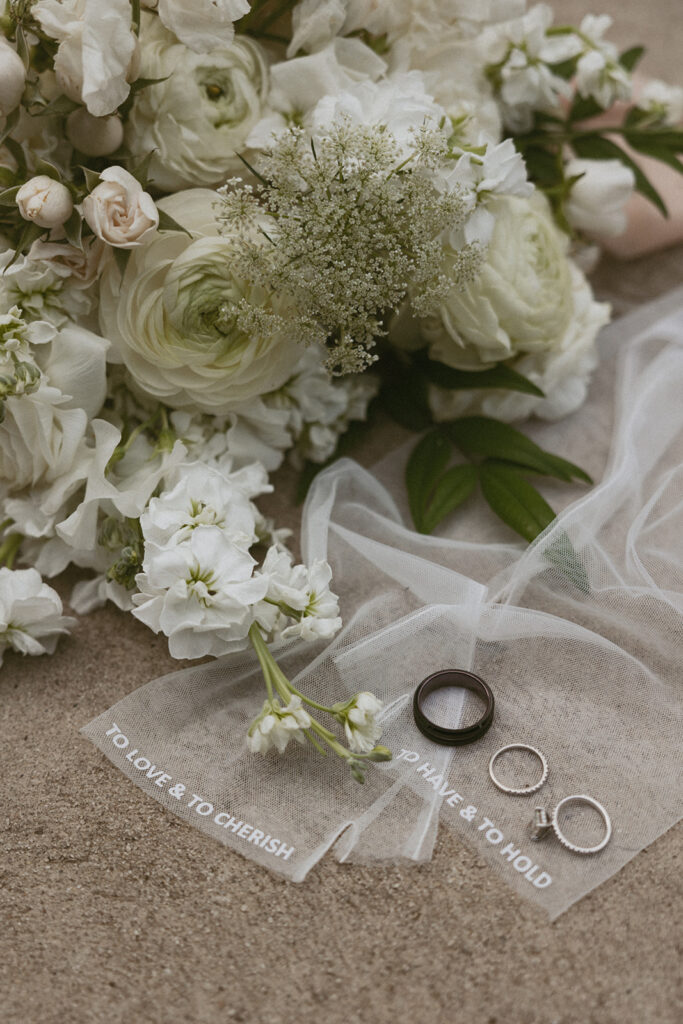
230,227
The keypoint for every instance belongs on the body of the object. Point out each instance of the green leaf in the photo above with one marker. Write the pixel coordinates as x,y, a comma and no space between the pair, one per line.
454,487
11,121
92,178
480,435
629,58
167,223
515,500
28,236
121,256
8,197
499,376
543,165
140,171
143,83
73,228
562,554
666,156
670,138
426,465
45,167
135,16
583,108
59,107
595,147
404,394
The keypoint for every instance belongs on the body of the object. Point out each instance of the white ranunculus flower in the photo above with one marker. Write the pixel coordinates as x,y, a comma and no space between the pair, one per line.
203,25
171,319
96,47
521,301
597,200
31,619
563,373
200,593
12,78
45,201
119,211
199,118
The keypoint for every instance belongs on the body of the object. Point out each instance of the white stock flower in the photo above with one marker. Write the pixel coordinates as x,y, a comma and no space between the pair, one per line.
31,619
297,85
301,593
203,25
663,100
203,496
598,71
200,593
171,319
45,201
277,725
96,47
43,289
12,78
119,211
520,55
360,724
315,23
597,201
198,119
400,103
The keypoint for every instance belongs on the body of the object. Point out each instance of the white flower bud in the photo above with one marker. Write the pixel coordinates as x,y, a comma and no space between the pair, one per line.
597,201
94,136
12,78
45,201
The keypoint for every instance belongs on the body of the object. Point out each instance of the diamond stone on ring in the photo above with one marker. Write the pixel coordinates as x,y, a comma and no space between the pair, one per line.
524,790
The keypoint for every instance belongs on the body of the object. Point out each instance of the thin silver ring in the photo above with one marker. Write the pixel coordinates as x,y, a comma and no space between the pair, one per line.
581,798
525,790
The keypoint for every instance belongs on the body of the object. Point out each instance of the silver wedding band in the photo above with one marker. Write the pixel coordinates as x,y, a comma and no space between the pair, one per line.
525,790
581,799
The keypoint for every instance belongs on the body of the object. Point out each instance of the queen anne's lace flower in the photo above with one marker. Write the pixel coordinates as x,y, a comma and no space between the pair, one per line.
31,619
277,725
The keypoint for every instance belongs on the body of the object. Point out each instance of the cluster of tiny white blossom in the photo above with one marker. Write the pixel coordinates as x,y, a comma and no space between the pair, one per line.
341,224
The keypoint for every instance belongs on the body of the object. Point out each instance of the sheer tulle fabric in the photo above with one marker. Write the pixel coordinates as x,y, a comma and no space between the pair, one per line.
579,636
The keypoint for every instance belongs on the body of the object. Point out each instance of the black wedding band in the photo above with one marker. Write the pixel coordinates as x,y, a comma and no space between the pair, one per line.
452,677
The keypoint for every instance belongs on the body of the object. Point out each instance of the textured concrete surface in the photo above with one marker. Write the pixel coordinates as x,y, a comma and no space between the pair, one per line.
114,911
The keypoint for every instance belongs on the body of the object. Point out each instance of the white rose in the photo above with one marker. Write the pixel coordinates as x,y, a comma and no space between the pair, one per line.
12,78
96,47
94,136
81,267
597,200
202,25
521,301
119,211
199,118
172,321
45,201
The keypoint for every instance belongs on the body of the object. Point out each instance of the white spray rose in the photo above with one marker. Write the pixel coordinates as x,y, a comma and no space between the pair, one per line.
597,200
172,322
12,78
202,25
199,118
94,136
45,201
119,211
96,47
31,619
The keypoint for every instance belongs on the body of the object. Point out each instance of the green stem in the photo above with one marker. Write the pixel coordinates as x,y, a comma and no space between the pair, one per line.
9,549
263,655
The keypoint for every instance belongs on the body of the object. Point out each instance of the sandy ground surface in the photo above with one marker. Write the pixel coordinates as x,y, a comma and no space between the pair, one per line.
112,910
